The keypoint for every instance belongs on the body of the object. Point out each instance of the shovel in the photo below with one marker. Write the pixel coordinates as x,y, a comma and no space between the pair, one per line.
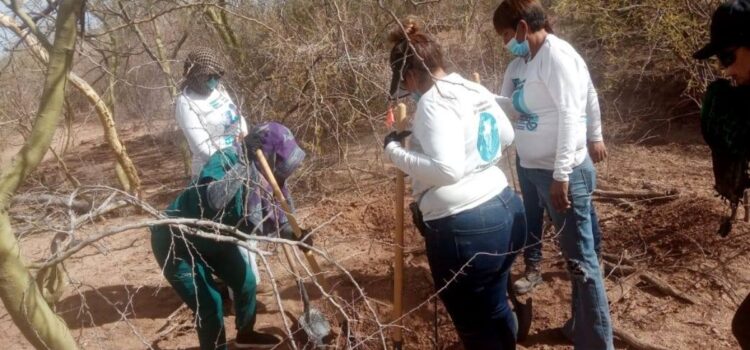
312,321
524,313
398,268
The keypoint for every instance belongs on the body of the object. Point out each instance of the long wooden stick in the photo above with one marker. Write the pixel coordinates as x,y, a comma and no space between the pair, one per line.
398,259
266,169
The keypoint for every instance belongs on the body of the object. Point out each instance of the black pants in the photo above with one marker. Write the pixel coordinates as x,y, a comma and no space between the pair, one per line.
741,324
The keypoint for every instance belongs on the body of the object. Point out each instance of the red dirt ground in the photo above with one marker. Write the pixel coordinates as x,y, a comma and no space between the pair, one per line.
119,300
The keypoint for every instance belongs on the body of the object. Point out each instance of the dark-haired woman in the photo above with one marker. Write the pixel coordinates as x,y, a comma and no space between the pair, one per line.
472,221
551,87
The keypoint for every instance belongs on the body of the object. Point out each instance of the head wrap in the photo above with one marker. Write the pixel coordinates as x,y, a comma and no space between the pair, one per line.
199,65
278,145
284,156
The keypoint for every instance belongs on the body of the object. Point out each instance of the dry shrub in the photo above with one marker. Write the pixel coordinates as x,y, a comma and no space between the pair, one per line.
641,54
681,230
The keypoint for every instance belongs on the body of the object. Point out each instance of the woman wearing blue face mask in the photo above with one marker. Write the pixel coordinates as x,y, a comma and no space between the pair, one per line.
208,118
471,220
205,112
552,94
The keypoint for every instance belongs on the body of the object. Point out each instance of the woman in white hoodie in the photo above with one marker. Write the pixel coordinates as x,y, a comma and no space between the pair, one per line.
471,220
551,87
208,117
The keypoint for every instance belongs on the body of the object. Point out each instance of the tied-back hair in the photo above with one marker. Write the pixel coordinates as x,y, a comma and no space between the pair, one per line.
414,50
510,12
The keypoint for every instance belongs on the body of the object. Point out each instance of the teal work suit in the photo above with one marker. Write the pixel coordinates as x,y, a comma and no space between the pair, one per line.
188,262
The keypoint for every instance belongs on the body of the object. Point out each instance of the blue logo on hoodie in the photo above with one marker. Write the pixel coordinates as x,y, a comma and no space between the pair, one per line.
488,138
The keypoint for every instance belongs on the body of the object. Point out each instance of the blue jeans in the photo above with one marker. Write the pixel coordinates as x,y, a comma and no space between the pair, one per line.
481,244
534,208
593,326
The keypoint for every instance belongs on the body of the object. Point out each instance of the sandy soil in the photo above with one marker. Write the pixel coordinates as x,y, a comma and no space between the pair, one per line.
117,298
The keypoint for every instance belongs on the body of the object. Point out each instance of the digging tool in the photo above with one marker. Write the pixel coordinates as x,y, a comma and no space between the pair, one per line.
312,321
266,169
398,275
524,313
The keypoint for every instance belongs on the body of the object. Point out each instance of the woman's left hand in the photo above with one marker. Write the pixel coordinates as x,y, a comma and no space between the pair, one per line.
558,192
397,136
597,151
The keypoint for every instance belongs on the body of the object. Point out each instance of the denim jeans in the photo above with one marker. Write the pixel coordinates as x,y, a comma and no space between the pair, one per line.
470,255
593,326
534,208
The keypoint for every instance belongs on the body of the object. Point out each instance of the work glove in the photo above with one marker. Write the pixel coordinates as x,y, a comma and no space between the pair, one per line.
286,232
253,142
396,136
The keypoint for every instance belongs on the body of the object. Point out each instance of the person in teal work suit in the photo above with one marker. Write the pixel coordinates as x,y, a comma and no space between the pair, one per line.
230,190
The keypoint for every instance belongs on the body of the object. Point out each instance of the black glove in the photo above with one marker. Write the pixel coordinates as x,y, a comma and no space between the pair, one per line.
286,232
253,141
395,136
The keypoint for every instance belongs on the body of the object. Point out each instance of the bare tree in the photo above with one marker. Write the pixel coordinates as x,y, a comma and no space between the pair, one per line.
18,290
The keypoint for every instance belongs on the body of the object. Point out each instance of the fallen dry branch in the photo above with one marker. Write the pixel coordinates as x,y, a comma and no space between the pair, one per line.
623,288
639,195
633,341
43,199
179,320
620,270
666,288
618,259
622,203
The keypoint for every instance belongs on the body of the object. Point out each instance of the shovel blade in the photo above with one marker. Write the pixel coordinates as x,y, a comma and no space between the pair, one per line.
315,325
524,313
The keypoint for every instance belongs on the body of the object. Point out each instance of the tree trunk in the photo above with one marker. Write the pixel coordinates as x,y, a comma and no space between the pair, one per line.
36,44
18,290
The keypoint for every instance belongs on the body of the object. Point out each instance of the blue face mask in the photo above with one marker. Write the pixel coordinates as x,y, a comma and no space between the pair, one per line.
518,49
212,83
416,96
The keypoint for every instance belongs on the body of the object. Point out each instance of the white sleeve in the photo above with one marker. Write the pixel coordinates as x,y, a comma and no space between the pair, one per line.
593,116
243,123
507,133
243,126
507,88
506,92
195,132
440,133
563,82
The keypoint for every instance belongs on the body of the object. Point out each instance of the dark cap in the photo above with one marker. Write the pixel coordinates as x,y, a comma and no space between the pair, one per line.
730,26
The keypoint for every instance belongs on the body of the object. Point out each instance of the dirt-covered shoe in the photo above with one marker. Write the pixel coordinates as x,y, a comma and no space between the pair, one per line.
532,277
255,340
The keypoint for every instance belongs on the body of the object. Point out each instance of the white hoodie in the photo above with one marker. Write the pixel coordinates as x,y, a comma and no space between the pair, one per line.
209,123
558,105
458,134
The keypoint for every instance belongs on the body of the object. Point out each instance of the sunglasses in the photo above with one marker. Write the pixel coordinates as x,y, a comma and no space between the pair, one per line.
727,57
215,76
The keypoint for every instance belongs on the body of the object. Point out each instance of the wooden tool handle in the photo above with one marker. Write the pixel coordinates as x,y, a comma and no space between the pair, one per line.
398,277
268,174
